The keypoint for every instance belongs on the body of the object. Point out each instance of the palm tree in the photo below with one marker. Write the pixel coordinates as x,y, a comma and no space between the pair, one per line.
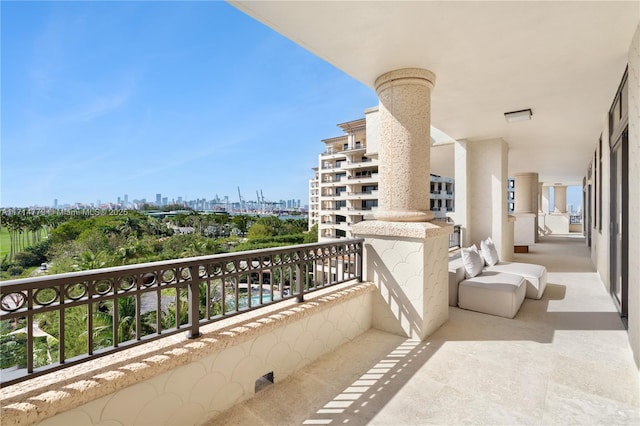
126,312
91,260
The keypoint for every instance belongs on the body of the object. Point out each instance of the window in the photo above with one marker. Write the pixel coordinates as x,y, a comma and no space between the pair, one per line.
369,204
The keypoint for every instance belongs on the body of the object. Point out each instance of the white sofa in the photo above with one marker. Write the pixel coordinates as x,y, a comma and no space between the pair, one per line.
494,293
498,289
534,275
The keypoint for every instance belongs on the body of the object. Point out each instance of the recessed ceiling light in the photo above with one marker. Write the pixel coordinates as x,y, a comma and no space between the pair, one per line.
515,116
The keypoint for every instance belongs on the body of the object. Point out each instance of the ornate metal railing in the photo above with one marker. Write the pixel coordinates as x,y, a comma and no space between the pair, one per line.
575,219
52,322
454,238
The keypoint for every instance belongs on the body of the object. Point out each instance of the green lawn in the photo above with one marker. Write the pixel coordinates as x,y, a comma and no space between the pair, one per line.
4,242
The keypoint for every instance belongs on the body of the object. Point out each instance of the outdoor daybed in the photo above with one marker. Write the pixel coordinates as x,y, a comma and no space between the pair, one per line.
481,283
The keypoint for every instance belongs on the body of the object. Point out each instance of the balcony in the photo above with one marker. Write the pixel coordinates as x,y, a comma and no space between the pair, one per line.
357,164
373,177
360,195
550,365
288,285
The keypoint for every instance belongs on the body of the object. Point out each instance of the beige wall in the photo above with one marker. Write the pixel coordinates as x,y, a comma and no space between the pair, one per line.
600,250
481,193
600,238
634,195
442,163
197,391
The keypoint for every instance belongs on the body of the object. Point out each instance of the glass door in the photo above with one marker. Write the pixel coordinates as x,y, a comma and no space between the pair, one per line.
619,223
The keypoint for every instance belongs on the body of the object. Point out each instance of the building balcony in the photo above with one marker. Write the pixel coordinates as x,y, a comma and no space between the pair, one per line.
442,195
547,365
358,164
362,195
329,183
373,177
332,155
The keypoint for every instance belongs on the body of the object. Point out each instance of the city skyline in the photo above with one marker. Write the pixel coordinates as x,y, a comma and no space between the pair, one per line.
101,98
126,201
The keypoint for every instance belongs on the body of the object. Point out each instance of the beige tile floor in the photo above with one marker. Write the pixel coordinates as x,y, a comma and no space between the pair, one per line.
564,359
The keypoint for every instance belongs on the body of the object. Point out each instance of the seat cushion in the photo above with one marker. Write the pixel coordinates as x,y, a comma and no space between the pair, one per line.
495,293
535,275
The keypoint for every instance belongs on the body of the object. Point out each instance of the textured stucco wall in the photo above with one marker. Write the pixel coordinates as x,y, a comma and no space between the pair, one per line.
600,237
482,166
197,379
408,263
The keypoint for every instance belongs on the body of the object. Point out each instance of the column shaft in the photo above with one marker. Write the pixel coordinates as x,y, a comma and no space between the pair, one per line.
405,143
560,199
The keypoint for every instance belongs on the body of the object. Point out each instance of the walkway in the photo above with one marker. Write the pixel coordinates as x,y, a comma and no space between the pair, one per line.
564,359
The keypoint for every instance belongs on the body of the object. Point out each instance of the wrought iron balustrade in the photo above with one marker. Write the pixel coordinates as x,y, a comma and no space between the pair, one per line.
575,219
454,238
52,322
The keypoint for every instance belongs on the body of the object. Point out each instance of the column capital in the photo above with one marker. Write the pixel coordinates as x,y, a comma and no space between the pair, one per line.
402,76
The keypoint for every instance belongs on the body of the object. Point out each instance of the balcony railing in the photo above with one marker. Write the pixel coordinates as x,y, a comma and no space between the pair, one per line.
575,219
57,321
454,239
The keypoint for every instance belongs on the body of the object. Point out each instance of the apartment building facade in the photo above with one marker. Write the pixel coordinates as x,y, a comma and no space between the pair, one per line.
344,189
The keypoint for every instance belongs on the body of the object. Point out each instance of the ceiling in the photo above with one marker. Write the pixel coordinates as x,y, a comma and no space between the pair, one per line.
564,60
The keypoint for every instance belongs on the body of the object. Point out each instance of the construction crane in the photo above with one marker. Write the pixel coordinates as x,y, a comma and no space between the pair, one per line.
240,198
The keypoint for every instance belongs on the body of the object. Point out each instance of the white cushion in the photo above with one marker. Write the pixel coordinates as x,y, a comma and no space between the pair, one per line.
534,275
494,293
489,251
472,260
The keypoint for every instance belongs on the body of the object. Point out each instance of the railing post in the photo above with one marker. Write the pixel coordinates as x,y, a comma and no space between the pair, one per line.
194,303
359,255
299,279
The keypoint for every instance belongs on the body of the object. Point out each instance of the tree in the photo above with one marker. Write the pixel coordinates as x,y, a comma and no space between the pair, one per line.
91,260
258,230
242,222
312,235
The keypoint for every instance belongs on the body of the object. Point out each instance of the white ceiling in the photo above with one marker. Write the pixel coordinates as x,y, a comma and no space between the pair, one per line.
564,60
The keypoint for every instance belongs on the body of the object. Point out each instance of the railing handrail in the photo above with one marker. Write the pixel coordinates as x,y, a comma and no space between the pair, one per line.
299,269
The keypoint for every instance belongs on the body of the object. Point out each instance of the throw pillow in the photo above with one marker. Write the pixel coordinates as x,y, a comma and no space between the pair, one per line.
489,251
473,262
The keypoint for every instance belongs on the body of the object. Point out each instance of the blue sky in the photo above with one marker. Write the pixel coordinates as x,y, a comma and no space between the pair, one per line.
188,99
191,99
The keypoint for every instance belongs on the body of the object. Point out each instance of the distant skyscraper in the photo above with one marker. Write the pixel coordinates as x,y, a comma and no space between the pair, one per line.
158,199
126,199
55,203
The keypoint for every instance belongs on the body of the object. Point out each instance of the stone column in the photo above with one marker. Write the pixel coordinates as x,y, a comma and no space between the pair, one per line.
545,199
406,256
526,193
560,199
526,208
405,143
540,197
481,193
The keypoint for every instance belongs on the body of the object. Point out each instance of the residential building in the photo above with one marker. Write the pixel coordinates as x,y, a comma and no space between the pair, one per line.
344,190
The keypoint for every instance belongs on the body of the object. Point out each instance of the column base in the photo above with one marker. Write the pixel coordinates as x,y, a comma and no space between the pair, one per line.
409,264
407,216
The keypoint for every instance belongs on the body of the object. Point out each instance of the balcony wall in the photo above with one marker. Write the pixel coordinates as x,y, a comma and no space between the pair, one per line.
189,381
